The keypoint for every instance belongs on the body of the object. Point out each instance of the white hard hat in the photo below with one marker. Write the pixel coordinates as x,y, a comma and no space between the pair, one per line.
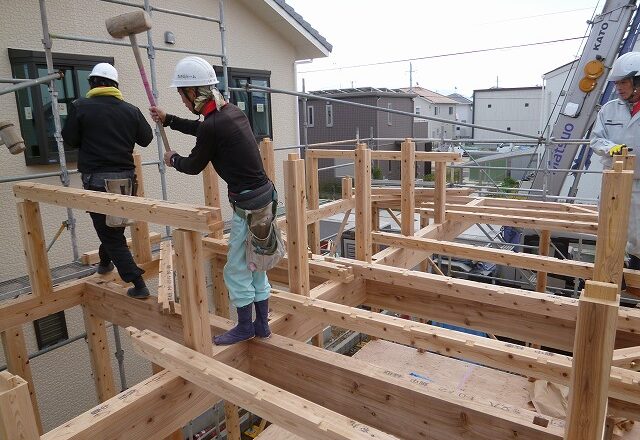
193,72
626,66
105,70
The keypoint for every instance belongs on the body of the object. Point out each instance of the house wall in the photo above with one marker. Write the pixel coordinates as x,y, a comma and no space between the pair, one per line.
514,109
464,113
63,380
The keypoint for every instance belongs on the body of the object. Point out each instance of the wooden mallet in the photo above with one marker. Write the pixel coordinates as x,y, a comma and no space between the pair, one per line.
129,25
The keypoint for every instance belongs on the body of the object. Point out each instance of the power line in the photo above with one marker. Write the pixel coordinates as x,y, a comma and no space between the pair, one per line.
446,55
533,16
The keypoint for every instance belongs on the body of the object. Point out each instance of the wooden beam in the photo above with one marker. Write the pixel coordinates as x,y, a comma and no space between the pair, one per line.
327,210
99,355
628,358
17,421
178,215
92,257
548,213
193,290
385,399
35,251
533,204
363,202
544,241
141,245
499,256
286,409
419,156
212,195
166,289
313,203
593,350
17,358
408,176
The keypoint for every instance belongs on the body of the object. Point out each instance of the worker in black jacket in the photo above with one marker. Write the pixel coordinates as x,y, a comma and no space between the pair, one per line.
105,129
225,139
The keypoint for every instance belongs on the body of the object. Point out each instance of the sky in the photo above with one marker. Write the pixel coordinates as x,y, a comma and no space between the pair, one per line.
377,31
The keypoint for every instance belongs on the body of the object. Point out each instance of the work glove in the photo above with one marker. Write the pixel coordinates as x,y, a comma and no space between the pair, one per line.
616,149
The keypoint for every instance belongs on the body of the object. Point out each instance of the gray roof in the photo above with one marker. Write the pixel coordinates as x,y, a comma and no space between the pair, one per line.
461,99
362,91
305,24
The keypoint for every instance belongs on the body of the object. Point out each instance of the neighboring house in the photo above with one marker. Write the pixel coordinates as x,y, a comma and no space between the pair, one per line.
464,113
264,39
430,103
324,121
512,109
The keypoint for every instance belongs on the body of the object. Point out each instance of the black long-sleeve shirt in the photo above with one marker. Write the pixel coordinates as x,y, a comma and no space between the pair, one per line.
106,130
225,139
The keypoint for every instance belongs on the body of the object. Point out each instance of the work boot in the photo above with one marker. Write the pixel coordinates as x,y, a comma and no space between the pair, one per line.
243,331
105,268
261,324
139,289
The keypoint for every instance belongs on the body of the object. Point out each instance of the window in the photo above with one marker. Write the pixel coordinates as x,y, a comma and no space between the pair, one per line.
417,110
389,120
328,111
435,111
508,128
450,110
34,103
256,105
526,104
310,116
488,105
457,128
50,330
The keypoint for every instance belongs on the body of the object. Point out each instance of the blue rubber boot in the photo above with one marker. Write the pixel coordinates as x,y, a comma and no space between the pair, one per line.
261,324
241,332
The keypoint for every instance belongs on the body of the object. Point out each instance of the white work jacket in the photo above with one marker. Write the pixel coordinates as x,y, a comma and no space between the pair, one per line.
614,125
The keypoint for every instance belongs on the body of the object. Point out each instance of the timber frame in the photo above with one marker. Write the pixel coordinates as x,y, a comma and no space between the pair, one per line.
318,394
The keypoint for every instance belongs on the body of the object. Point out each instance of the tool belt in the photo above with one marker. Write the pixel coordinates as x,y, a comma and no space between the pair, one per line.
123,182
264,245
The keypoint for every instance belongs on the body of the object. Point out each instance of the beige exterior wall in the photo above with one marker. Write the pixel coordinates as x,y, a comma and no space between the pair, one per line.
63,378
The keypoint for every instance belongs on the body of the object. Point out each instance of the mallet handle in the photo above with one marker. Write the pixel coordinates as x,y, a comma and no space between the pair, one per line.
147,87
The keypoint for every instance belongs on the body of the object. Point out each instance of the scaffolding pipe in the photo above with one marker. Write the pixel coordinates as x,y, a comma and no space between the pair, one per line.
119,354
163,10
524,169
23,84
223,47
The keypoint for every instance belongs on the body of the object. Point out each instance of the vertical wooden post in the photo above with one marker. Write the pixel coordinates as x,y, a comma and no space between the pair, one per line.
313,201
375,226
17,420
363,202
35,250
193,290
592,353
544,241
347,187
613,219
268,158
15,353
211,193
408,179
99,354
140,243
424,221
440,194
296,203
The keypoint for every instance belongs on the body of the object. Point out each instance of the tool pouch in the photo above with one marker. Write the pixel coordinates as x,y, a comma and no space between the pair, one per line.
118,186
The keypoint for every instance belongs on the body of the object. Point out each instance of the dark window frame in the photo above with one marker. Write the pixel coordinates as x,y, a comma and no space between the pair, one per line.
34,60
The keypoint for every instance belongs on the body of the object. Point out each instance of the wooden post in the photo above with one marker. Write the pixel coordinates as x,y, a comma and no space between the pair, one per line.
268,158
35,250
592,354
363,203
613,219
193,290
424,221
15,353
99,354
375,226
407,174
17,420
211,193
544,241
440,195
313,201
140,243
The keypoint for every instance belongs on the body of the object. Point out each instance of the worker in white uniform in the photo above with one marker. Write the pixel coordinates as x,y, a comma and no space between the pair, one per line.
618,125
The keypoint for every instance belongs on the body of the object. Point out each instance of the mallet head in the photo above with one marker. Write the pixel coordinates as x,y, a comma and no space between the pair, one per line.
130,23
10,136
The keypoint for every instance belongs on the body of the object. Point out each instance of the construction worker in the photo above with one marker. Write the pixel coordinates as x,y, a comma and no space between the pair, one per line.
105,129
618,125
224,138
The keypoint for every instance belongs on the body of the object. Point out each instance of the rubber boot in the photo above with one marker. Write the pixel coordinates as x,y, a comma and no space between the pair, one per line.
243,331
261,324
139,289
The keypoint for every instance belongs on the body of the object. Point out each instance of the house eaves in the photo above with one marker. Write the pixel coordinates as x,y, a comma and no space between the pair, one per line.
285,20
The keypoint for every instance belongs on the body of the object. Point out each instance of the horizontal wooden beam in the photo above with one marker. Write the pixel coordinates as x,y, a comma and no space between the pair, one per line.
548,213
499,256
178,215
329,209
93,257
518,221
628,358
296,414
385,399
421,156
421,193
533,204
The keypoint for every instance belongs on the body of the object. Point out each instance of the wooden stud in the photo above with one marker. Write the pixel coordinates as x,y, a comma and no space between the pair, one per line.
99,354
193,290
35,250
166,288
313,202
17,420
408,181
544,241
268,158
592,353
295,199
615,199
17,358
363,202
140,241
440,197
212,194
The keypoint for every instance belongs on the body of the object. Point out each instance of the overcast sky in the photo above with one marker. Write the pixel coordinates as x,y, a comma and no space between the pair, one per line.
372,31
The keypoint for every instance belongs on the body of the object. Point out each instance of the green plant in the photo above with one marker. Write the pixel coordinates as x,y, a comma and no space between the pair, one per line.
376,173
429,178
